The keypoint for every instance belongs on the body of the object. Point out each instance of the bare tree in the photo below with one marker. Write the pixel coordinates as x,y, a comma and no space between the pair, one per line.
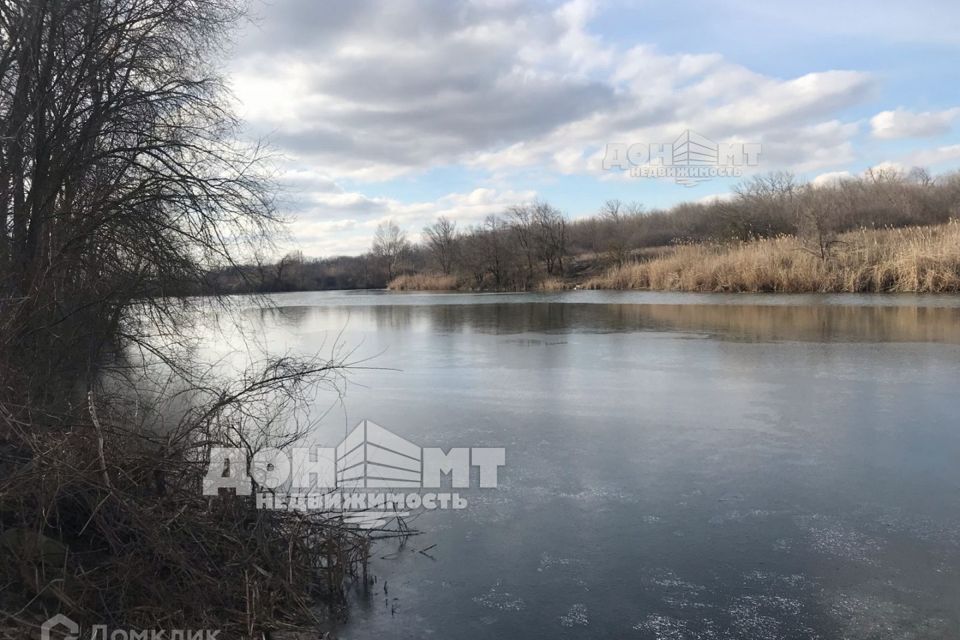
289,271
390,246
496,253
472,256
615,216
441,240
121,186
521,222
763,206
120,175
550,233
541,233
920,176
818,222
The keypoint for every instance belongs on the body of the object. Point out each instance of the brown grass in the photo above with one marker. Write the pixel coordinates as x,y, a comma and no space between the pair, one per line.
551,284
423,282
913,259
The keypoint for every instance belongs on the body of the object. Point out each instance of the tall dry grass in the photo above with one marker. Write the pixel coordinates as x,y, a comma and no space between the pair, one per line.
551,284
423,282
913,259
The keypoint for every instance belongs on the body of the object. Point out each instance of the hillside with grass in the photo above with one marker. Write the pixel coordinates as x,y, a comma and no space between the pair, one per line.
888,231
911,259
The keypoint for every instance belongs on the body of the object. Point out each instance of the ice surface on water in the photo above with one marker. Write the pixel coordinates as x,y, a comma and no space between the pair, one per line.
844,542
769,617
784,606
869,617
575,617
770,580
659,627
737,515
776,606
497,598
548,561
832,537
489,508
685,520
684,603
893,520
773,610
667,579
594,494
782,544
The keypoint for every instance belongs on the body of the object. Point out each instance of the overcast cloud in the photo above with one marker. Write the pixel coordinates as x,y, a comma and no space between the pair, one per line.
368,100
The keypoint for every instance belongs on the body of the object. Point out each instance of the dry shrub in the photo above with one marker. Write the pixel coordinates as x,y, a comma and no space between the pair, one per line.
106,522
423,282
551,284
913,259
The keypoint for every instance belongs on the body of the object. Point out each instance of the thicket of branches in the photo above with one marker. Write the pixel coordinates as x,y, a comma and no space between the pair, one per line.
120,178
122,184
530,244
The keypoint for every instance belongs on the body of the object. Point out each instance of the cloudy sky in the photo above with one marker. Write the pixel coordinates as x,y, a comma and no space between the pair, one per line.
409,110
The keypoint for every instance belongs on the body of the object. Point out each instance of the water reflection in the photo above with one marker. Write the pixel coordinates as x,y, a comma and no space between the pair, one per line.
819,323
713,467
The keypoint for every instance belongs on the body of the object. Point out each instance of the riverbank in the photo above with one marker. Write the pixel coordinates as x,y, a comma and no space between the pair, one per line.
906,260
110,519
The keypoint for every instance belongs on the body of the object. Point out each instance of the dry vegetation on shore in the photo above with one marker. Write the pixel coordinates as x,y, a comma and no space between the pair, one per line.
912,259
423,282
785,235
123,183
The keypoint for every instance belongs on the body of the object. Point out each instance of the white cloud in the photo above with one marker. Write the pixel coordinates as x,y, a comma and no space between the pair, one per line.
805,149
941,158
368,91
662,95
717,197
339,222
496,85
831,178
933,157
382,90
891,167
901,123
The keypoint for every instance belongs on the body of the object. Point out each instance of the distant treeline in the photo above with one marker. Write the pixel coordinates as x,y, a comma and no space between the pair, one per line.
534,244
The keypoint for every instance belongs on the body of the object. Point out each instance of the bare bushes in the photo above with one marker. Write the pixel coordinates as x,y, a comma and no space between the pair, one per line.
122,184
104,519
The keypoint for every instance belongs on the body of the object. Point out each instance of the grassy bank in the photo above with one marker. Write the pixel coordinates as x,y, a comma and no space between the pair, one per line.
907,260
423,282
913,259
441,282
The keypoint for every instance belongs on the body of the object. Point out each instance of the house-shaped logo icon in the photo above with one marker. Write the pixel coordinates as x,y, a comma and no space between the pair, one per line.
59,627
694,150
370,457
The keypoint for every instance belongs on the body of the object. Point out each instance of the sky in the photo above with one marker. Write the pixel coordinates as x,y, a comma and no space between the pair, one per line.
407,110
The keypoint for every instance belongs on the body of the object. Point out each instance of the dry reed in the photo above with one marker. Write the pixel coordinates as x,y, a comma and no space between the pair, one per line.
912,259
423,282
551,284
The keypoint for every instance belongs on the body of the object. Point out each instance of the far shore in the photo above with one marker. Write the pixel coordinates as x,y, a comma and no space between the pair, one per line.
924,259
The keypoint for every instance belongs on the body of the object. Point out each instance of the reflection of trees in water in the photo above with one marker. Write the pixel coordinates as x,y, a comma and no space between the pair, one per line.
814,323
283,316
738,322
